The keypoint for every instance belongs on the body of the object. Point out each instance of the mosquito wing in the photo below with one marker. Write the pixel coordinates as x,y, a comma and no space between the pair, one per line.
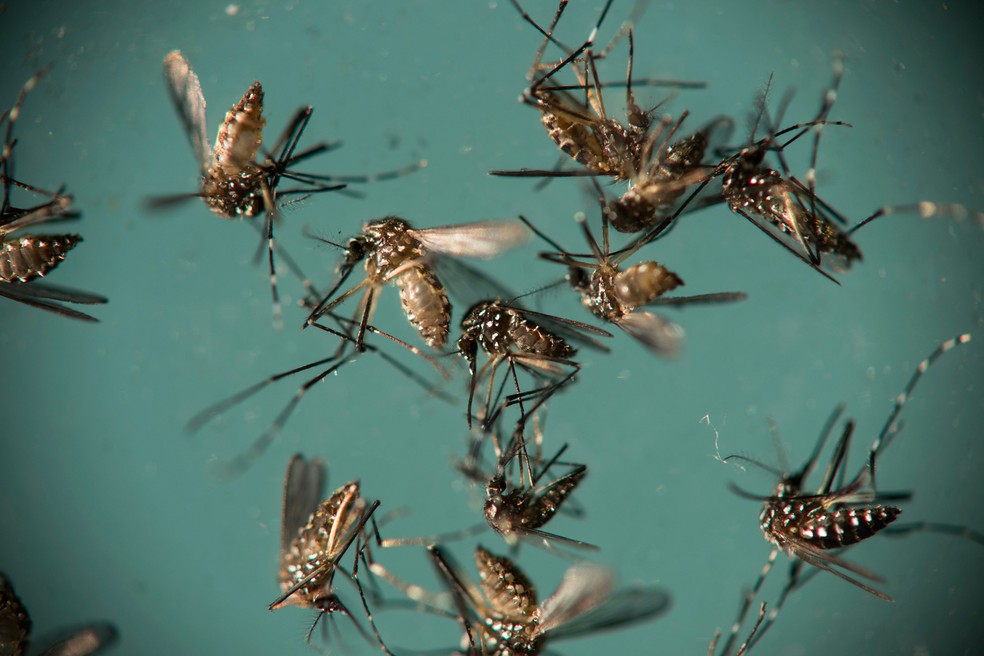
484,239
584,603
186,94
303,491
659,335
84,641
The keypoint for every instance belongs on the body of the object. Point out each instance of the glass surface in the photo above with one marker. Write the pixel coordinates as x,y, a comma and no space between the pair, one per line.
110,510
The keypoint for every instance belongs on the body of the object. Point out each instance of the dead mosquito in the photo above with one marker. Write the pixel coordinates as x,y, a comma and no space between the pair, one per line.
501,615
315,535
395,252
519,510
581,126
519,337
615,294
330,364
15,630
779,204
30,256
810,527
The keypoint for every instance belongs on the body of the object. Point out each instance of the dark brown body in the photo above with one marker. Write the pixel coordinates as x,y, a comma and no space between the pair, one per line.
789,521
753,190
32,256
501,330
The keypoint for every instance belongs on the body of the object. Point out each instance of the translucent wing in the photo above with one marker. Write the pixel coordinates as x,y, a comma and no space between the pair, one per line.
84,641
657,334
630,605
484,239
186,94
303,491
584,588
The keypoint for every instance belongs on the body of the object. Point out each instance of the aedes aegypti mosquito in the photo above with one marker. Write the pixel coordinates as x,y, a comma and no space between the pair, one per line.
502,617
810,527
27,257
615,294
396,252
315,534
581,127
518,509
519,337
15,630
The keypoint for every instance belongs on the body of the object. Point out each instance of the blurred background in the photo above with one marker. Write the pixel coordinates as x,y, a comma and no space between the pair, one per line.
110,510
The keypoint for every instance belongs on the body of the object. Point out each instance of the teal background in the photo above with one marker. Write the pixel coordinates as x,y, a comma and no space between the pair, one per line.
108,510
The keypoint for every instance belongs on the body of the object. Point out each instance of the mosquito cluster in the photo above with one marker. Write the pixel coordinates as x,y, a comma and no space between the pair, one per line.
502,359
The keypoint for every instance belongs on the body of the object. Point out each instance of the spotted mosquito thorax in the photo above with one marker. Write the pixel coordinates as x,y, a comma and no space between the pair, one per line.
497,328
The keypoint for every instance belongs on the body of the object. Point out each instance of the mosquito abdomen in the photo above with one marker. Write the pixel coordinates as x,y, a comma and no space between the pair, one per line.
642,283
32,256
847,526
240,134
426,304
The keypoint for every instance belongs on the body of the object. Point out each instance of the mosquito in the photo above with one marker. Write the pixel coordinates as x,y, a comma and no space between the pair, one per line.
30,256
582,128
810,526
315,536
519,511
517,336
615,295
501,616
328,366
15,630
778,203
396,252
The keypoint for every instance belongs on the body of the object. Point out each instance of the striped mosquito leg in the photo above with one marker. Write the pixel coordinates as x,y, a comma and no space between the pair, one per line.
242,462
746,603
794,581
925,209
890,429
829,98
278,314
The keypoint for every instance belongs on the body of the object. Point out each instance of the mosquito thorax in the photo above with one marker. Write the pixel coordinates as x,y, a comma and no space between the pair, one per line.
238,195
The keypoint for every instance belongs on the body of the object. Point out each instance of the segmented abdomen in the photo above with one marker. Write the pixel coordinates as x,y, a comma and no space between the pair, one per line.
815,523
642,283
846,526
240,134
32,256
425,303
